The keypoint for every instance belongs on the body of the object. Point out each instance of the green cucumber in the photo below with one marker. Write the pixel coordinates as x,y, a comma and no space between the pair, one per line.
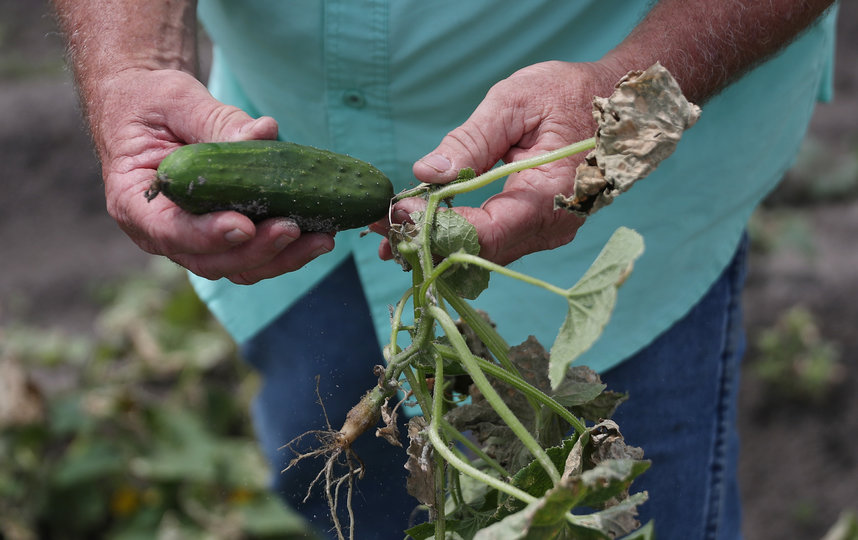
321,190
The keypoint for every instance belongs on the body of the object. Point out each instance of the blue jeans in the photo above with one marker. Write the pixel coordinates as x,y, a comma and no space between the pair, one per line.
682,407
683,394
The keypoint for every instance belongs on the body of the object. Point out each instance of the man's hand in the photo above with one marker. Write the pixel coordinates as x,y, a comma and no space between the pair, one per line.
141,100
540,108
704,44
144,116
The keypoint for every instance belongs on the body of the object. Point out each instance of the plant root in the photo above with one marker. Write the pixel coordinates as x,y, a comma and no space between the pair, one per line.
342,465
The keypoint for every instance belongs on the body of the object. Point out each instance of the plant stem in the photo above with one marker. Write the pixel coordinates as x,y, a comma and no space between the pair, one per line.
484,331
497,173
521,385
420,393
456,434
489,393
396,321
454,460
465,258
451,458
440,495
496,344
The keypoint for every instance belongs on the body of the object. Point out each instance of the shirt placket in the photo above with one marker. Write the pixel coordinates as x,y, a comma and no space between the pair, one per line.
356,60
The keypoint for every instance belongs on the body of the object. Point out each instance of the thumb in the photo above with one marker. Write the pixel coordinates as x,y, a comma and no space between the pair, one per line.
245,128
479,143
210,120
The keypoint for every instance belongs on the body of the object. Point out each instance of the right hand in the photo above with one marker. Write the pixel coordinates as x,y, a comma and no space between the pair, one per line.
140,116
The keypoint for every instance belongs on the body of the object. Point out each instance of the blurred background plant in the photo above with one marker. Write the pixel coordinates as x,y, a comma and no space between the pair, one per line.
136,430
795,361
790,355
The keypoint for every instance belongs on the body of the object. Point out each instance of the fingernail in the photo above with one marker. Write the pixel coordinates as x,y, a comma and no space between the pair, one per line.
282,241
289,232
437,162
236,236
248,127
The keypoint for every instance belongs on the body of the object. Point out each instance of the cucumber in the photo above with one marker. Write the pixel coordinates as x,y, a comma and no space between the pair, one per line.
321,190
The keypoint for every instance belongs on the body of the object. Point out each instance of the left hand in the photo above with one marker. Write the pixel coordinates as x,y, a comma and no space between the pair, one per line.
537,109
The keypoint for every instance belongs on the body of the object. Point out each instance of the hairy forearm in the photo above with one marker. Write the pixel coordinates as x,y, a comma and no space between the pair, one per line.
109,38
708,44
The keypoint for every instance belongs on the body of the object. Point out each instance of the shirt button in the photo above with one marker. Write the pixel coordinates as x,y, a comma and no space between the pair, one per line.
354,99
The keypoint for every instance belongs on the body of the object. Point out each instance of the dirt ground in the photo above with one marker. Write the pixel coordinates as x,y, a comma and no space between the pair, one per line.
799,467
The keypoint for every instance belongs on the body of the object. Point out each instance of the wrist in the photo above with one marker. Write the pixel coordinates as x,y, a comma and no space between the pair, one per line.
109,39
707,45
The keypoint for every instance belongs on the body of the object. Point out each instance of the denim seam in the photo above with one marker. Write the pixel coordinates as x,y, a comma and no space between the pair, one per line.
727,380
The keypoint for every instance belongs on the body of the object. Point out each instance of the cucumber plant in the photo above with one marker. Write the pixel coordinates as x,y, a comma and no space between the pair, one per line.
542,444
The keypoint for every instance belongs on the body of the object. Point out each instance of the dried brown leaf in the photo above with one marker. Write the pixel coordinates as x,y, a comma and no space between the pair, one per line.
420,464
390,431
581,389
640,125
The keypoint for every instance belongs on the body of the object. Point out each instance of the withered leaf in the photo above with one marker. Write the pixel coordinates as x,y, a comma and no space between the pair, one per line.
639,126
390,431
608,443
495,437
421,463
601,456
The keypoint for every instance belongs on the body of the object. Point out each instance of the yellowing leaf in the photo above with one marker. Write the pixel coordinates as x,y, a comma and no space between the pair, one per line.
592,300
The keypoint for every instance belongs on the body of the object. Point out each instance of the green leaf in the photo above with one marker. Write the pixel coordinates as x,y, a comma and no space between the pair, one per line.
580,385
466,173
86,462
592,300
468,281
182,449
543,519
533,479
546,519
583,392
452,233
423,531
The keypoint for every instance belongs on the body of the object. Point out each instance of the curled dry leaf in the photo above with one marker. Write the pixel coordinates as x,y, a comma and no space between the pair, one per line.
640,125
390,431
421,463
608,443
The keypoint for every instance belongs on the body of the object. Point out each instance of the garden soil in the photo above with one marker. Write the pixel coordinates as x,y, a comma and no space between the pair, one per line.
799,465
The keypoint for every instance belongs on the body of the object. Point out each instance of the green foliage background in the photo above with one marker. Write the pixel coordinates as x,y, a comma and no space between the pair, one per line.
140,431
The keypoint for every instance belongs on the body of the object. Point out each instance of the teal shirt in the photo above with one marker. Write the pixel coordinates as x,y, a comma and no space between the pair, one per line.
384,81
